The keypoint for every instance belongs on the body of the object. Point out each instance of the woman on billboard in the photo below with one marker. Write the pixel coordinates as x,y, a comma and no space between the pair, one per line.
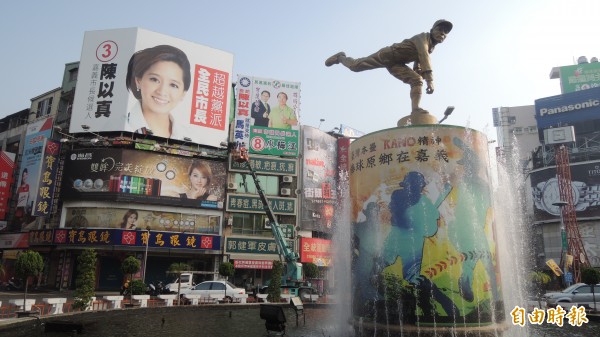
129,220
159,78
200,175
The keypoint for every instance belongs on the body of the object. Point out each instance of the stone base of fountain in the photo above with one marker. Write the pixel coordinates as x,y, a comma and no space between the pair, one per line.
372,329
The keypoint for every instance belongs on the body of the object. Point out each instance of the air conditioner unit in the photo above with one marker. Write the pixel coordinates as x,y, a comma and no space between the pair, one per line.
232,186
286,191
288,179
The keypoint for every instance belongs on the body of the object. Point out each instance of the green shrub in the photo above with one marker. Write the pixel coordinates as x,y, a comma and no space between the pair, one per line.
85,283
310,270
138,287
274,289
226,269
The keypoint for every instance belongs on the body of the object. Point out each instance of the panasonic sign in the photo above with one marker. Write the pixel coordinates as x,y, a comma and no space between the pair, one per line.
571,107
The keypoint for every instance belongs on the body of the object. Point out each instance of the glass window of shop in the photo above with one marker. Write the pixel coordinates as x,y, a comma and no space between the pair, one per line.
250,224
269,184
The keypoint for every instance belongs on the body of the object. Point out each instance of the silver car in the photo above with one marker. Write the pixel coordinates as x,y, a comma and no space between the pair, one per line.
222,288
579,294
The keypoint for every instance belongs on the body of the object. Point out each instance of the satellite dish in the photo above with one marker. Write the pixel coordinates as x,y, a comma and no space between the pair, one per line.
582,257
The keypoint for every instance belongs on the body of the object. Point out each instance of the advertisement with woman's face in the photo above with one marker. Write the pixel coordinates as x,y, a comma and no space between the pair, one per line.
144,82
123,175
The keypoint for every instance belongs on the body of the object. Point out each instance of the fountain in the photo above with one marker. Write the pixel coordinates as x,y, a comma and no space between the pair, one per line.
424,242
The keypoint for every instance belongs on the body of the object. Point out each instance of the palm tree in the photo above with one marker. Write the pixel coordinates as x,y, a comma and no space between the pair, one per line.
539,279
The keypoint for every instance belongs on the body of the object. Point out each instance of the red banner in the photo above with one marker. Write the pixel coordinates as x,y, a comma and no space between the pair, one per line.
253,264
7,166
317,251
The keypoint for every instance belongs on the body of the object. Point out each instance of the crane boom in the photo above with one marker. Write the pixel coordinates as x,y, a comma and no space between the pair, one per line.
293,267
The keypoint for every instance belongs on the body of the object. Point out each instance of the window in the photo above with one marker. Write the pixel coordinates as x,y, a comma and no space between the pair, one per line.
44,107
269,184
73,74
518,131
218,286
250,224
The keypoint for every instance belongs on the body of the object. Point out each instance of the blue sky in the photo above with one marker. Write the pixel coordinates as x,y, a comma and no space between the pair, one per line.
498,54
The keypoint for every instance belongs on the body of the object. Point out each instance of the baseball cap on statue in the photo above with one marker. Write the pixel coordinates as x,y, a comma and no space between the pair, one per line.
447,25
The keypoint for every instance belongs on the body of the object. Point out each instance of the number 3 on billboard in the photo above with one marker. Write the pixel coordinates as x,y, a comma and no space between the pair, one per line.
107,51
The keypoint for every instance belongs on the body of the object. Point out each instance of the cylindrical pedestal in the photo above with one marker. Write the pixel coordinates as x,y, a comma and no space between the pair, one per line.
423,231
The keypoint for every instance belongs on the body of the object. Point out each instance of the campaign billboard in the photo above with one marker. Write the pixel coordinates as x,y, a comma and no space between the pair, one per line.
144,82
30,169
319,171
585,187
579,77
568,108
7,166
267,115
141,219
142,176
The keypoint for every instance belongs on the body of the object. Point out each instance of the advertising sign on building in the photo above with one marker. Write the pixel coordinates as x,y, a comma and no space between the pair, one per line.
585,186
267,115
132,218
31,168
568,108
266,164
319,171
141,176
253,264
317,251
253,204
43,197
141,81
7,166
119,237
580,77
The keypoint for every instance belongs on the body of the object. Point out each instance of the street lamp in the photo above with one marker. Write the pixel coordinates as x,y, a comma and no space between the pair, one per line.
563,235
146,256
447,113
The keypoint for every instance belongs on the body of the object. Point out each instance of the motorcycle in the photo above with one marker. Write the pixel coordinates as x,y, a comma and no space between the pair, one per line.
155,290
14,284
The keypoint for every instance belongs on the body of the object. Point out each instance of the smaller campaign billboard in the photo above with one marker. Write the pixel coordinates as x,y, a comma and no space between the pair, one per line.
267,116
44,196
579,77
317,251
585,187
144,82
141,219
568,108
31,168
319,171
142,176
7,166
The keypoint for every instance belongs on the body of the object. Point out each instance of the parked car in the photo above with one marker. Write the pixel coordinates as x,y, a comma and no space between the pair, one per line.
579,293
207,288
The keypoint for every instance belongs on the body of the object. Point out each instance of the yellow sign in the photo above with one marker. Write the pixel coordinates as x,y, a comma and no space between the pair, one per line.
555,268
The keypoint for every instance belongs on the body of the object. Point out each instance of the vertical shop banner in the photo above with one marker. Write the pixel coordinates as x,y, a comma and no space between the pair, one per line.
140,176
319,180
267,116
580,77
31,166
115,89
49,166
7,166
